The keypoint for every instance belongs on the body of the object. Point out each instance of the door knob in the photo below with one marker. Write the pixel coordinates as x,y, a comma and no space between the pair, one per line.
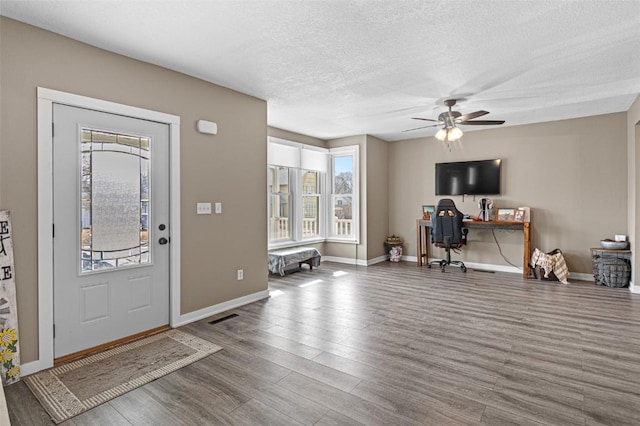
163,241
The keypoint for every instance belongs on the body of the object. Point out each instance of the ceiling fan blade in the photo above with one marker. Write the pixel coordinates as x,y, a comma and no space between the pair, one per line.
423,127
481,122
471,116
425,119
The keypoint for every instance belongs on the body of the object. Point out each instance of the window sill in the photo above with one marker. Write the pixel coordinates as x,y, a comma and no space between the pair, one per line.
295,243
341,241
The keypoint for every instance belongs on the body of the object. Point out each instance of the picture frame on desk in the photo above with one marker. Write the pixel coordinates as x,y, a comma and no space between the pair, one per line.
527,214
427,211
519,215
506,214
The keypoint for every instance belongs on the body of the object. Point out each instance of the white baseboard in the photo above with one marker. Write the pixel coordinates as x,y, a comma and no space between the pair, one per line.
220,307
28,368
378,259
352,261
581,277
503,268
346,260
633,288
474,265
495,268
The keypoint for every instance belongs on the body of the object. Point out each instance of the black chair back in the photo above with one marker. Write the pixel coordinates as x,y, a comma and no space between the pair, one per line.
446,222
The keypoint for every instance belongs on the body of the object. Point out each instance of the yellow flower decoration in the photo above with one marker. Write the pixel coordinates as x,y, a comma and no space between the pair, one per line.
13,371
6,356
7,336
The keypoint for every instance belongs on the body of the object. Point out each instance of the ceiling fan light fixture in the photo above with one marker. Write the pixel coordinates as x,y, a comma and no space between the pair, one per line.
442,134
455,134
449,134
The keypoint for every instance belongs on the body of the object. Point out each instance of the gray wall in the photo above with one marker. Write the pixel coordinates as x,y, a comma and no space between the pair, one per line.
377,196
572,173
229,167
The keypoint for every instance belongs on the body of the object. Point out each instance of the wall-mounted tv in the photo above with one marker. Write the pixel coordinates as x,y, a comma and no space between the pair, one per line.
468,178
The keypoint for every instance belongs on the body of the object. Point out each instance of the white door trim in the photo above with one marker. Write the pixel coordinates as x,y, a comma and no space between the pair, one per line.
46,99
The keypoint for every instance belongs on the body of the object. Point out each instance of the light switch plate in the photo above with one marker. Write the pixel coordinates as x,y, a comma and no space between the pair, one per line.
203,208
218,208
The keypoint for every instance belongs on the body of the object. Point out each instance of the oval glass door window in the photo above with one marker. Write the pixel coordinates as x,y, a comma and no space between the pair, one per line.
115,200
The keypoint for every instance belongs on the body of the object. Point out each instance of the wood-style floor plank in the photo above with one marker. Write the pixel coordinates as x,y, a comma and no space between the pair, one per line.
398,344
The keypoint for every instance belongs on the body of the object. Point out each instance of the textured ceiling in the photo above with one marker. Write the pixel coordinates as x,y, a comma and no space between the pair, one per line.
338,68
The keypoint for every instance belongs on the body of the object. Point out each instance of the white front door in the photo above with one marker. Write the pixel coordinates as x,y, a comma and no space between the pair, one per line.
111,227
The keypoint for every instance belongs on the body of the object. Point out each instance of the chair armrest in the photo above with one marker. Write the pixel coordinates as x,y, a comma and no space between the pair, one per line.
465,231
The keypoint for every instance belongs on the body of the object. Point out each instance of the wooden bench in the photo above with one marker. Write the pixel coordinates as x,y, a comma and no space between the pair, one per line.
280,259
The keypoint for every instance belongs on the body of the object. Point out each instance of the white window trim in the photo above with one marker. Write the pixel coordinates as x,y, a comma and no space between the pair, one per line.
282,242
353,150
321,205
295,181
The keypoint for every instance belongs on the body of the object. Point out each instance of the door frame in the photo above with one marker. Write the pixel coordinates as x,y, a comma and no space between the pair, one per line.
46,99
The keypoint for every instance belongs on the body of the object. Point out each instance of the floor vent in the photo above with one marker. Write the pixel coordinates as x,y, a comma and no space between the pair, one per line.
223,319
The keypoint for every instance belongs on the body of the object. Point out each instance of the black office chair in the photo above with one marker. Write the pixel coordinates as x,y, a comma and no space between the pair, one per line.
447,232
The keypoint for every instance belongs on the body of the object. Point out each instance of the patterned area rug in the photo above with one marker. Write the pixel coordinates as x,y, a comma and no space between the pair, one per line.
70,389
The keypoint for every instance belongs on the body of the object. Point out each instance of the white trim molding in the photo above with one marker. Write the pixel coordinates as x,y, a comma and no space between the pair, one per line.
581,277
345,260
378,259
471,265
220,307
46,99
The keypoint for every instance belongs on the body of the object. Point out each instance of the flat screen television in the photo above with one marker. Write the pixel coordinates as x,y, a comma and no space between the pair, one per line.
468,178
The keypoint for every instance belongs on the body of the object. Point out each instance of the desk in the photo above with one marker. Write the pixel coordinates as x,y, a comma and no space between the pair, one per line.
423,231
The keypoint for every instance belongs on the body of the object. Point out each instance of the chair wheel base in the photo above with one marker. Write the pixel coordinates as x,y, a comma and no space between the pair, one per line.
444,263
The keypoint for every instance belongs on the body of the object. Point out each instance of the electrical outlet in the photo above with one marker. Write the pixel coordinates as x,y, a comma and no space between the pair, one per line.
240,274
203,208
218,207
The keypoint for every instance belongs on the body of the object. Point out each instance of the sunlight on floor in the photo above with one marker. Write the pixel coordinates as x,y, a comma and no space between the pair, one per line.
310,283
339,273
275,293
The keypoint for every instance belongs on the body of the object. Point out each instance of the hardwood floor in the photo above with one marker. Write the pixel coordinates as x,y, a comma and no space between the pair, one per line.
394,344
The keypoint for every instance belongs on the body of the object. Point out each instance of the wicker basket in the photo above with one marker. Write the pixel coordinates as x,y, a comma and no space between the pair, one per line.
611,271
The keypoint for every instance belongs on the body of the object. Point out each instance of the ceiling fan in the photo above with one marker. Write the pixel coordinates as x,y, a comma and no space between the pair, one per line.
449,120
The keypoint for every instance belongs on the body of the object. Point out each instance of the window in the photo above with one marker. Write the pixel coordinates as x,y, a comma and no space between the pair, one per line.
279,203
295,181
344,194
312,193
114,178
311,196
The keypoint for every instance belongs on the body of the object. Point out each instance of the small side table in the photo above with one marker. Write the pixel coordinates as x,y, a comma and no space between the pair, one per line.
611,268
394,249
